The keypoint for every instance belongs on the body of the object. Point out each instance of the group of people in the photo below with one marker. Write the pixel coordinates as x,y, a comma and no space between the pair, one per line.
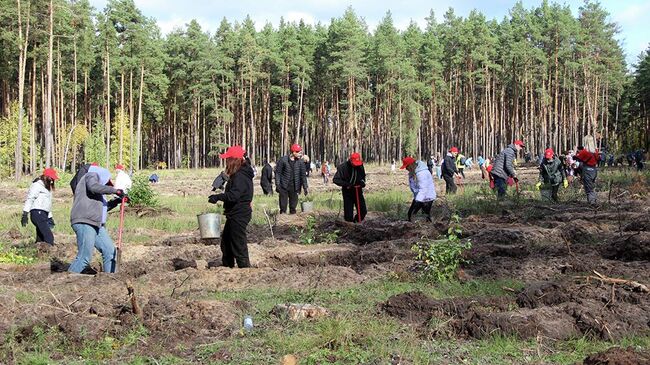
92,182
88,214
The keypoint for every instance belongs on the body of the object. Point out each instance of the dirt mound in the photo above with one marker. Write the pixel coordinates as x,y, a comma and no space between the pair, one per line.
373,230
642,224
541,293
635,247
618,356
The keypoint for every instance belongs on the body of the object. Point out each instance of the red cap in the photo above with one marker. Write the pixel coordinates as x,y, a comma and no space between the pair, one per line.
51,173
94,164
519,143
453,149
119,167
296,148
234,152
355,159
406,161
549,153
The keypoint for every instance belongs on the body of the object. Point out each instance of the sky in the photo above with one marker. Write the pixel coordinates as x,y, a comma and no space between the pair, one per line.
633,16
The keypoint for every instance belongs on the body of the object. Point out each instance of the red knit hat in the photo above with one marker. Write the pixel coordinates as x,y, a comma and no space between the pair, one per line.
51,173
296,148
234,152
406,161
355,159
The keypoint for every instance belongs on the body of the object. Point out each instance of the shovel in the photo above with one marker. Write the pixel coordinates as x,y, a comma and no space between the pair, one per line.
356,190
119,233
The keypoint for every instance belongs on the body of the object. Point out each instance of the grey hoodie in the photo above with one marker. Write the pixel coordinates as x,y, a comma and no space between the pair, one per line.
89,206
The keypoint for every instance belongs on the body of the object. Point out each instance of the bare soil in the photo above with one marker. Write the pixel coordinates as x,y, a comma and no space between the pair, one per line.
174,278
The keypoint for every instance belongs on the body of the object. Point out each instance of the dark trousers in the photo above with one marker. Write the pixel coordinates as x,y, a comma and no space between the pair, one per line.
551,192
350,202
267,189
290,197
501,185
462,172
450,187
589,175
43,231
233,243
416,206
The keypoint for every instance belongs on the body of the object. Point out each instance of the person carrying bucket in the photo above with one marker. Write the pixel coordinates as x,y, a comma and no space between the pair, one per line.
422,186
237,201
351,177
551,175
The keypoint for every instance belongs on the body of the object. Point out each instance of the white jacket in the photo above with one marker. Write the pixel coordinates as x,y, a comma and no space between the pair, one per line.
423,187
123,181
38,197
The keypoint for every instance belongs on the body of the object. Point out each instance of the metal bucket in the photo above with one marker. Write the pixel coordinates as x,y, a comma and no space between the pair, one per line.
307,206
209,225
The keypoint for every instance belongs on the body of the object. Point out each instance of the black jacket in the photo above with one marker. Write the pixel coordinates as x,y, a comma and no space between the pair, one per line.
348,176
238,195
266,180
504,163
284,176
449,165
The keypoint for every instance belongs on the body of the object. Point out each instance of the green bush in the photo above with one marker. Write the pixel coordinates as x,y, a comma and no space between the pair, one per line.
141,194
440,259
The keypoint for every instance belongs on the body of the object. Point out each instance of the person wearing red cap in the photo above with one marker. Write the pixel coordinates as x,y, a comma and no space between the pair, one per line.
504,167
122,180
351,177
38,206
290,178
422,187
586,165
449,170
551,175
237,198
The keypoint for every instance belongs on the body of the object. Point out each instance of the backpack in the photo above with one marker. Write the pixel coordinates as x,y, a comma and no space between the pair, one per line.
83,170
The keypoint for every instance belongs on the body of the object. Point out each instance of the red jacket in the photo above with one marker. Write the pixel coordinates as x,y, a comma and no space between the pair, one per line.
588,158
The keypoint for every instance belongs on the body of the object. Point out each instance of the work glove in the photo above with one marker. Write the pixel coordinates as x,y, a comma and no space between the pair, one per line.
306,192
538,186
50,222
120,193
214,198
565,183
24,220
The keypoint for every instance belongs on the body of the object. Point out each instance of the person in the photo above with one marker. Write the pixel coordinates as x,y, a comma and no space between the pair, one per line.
469,162
460,164
38,205
154,178
431,164
639,157
351,177
504,167
422,187
587,162
266,180
438,167
237,201
392,167
449,170
290,179
88,218
122,180
551,175
305,159
325,172
481,166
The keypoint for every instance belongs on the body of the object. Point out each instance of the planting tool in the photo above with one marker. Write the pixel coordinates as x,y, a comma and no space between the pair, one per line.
119,233
356,190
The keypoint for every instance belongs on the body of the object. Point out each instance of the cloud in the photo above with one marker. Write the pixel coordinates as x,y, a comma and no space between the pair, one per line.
168,25
632,14
297,16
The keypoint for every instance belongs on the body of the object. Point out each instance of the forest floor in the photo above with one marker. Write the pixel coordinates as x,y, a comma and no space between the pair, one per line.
535,288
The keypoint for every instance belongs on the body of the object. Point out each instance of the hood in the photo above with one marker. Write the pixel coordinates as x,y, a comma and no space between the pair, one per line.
104,174
421,167
247,170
